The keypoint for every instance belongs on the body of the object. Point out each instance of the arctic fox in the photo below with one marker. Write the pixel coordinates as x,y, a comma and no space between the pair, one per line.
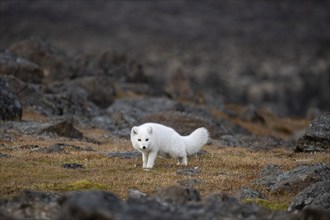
152,139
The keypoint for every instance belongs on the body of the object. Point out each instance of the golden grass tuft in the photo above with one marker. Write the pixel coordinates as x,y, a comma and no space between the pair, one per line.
268,204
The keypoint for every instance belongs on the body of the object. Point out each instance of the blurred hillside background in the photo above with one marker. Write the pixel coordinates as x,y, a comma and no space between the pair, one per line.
273,54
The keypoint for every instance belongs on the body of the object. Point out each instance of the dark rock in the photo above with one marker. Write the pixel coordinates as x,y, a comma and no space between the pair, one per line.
219,198
149,208
133,109
173,202
107,63
317,135
124,155
125,113
54,63
271,170
312,214
10,106
100,90
135,73
316,195
20,68
251,114
178,87
177,195
88,205
224,206
188,171
69,98
196,110
60,148
183,123
2,155
65,98
30,127
131,89
251,142
32,96
293,180
31,205
64,129
73,166
247,193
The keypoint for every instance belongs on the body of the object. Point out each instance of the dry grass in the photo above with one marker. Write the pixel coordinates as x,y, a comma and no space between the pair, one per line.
224,169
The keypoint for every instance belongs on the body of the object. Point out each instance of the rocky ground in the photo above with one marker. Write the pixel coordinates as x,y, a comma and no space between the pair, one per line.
67,106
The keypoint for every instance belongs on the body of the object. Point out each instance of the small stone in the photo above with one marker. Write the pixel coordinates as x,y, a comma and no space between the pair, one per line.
73,166
124,155
188,171
2,155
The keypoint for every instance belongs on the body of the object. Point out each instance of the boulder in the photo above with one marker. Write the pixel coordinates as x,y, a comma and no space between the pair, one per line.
10,106
99,89
135,73
30,205
312,214
64,129
182,122
178,87
107,63
31,95
294,180
65,98
88,205
247,193
177,195
54,63
173,202
252,142
125,113
252,114
317,135
316,195
20,68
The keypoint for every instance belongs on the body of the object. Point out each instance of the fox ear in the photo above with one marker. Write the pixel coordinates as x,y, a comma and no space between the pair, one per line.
150,130
134,130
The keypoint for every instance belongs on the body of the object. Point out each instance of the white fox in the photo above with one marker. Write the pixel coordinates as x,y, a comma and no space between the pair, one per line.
152,139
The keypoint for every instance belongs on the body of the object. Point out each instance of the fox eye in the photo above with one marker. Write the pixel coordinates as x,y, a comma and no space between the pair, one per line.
139,139
147,139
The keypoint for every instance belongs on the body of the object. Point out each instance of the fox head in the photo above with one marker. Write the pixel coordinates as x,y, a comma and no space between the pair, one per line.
141,138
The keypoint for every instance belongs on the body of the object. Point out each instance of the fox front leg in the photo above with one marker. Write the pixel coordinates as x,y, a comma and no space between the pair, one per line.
151,159
144,159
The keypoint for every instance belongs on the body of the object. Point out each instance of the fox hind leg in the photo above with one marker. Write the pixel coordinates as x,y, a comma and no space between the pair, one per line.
183,161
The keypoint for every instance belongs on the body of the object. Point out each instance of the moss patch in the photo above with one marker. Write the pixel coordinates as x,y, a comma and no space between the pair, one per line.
77,185
268,204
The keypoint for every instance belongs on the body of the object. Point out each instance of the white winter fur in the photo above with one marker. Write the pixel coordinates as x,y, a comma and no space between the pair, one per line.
152,139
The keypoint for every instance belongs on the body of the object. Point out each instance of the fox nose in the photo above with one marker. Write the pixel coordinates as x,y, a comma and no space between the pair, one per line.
144,147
